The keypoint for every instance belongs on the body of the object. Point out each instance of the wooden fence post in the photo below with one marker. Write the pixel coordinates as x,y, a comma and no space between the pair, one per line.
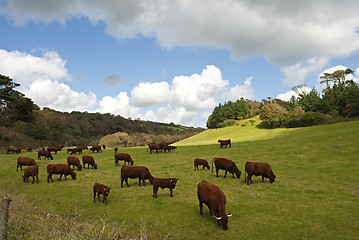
4,216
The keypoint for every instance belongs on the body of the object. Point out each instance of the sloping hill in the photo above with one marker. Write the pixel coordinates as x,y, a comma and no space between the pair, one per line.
244,130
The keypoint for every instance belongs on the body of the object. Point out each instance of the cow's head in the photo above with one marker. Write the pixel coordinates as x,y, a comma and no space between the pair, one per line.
224,221
106,191
79,167
95,166
73,175
173,182
238,174
272,178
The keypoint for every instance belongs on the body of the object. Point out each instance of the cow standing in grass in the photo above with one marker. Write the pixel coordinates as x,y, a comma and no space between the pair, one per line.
214,198
89,160
225,143
62,169
227,165
31,171
142,173
258,169
74,161
125,157
44,153
24,161
98,189
164,183
200,162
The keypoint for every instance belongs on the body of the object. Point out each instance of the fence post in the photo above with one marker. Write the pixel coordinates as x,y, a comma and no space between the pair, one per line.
4,216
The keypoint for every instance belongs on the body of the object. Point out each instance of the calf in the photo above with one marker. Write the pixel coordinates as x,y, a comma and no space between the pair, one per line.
202,162
100,189
125,157
11,150
225,143
155,147
74,161
62,169
89,161
31,171
169,148
256,169
44,153
163,183
227,165
142,173
24,161
214,198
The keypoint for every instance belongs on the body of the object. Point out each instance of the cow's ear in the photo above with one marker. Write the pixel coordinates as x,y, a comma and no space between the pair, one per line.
177,179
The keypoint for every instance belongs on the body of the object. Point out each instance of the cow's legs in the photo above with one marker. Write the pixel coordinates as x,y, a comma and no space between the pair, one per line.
33,179
248,179
217,172
144,182
262,179
94,196
60,177
155,189
37,178
225,174
171,192
200,208
122,182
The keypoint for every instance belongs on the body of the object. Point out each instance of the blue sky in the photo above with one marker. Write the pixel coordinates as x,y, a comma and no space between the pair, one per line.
171,61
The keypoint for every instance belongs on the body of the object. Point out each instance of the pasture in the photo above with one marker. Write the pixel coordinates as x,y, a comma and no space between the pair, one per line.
315,195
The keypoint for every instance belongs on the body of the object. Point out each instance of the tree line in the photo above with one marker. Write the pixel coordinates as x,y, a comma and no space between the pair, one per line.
338,101
23,122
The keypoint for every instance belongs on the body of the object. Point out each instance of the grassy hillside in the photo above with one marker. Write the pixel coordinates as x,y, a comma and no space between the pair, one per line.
244,130
315,195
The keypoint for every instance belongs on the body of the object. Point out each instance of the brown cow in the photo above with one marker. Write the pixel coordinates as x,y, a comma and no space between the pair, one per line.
31,171
52,149
59,147
164,183
11,150
100,189
69,150
24,161
44,153
142,173
125,157
202,162
84,147
227,165
169,148
89,161
76,150
256,169
62,169
215,199
29,149
225,143
96,148
74,161
156,147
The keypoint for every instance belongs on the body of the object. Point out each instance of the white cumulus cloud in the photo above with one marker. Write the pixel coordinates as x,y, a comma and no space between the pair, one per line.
148,94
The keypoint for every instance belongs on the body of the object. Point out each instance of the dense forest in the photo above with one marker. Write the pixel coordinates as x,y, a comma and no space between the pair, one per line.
23,124
337,102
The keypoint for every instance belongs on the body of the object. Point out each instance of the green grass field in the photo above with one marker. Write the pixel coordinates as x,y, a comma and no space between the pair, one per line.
315,196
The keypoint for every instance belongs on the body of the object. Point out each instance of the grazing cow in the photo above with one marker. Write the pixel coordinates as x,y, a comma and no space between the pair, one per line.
156,147
24,161
74,161
84,147
69,150
125,157
62,169
227,165
29,149
164,183
100,189
202,162
142,173
11,150
256,169
214,198
31,171
76,150
169,148
18,150
52,149
116,149
96,148
225,143
44,153
89,161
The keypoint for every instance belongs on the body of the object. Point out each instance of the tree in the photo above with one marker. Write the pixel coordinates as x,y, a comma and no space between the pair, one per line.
14,106
338,77
273,115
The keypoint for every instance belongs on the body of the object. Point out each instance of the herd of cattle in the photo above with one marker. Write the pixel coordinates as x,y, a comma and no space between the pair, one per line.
208,193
